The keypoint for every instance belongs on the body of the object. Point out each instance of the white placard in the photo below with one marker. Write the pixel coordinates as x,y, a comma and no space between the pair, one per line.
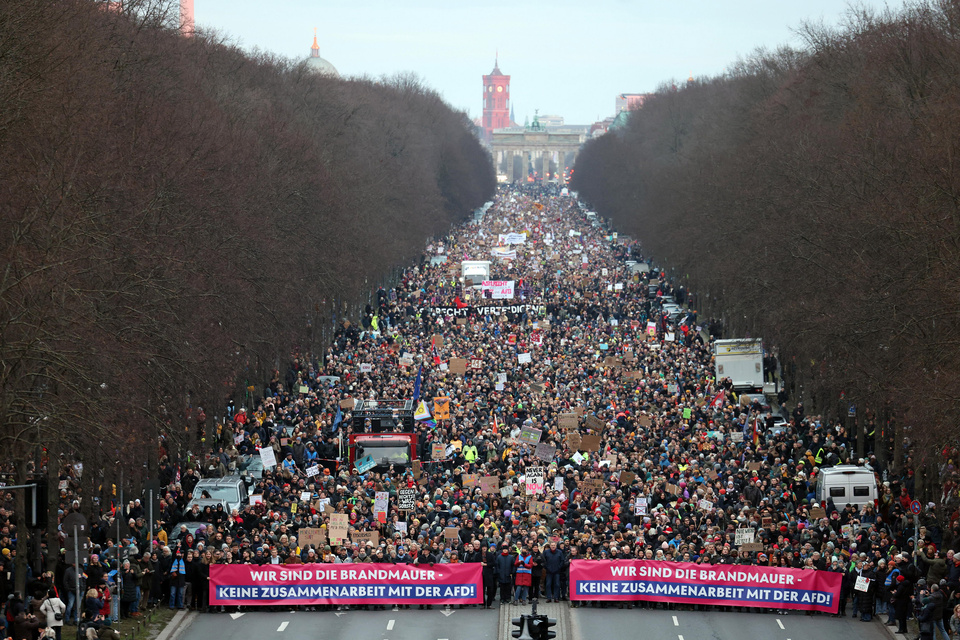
524,358
499,289
558,483
313,471
863,584
706,505
745,535
256,499
304,496
640,508
577,457
268,458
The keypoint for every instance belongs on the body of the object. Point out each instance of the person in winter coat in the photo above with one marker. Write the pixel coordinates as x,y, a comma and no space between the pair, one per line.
25,626
901,602
553,561
129,594
503,567
925,618
489,559
524,565
50,608
867,599
91,605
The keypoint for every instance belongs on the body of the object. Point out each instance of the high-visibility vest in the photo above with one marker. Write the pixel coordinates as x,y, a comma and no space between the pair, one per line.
819,457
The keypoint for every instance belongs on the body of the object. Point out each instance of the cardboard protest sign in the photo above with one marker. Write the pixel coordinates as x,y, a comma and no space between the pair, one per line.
766,522
489,484
536,387
673,489
529,435
644,421
417,469
818,512
365,537
458,366
470,480
744,535
540,508
441,408
545,452
753,466
592,486
339,526
590,443
347,403
438,340
438,450
627,478
312,537
569,421
594,423
752,547
573,440
407,499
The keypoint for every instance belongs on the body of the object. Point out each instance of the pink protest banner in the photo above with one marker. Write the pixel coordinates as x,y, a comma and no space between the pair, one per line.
312,584
723,585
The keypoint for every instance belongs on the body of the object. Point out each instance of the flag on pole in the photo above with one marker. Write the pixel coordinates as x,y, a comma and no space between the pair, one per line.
422,412
756,433
717,401
436,354
416,384
337,420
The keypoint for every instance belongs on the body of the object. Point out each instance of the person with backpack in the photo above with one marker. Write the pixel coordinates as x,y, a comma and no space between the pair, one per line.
54,609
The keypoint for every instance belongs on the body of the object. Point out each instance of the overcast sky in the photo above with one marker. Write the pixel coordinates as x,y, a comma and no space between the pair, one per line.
566,57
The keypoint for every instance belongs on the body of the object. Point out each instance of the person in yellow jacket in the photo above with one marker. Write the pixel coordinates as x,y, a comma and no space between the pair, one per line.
470,452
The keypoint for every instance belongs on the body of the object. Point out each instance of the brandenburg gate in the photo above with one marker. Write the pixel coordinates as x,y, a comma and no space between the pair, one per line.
546,152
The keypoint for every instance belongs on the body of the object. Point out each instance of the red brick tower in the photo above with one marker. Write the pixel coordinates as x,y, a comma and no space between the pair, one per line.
496,101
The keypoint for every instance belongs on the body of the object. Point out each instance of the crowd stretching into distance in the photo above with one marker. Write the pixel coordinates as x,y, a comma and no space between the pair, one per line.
583,335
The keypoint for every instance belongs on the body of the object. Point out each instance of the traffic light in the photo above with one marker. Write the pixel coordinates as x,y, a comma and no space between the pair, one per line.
540,627
37,504
522,631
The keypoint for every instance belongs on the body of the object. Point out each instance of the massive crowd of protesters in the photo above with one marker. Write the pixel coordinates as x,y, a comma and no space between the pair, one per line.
599,344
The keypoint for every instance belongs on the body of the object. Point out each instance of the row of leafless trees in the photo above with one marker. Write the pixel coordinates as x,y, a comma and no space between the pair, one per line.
812,197
177,215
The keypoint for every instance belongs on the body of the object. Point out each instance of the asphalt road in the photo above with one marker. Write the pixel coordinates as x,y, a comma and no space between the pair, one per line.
599,624
477,624
412,624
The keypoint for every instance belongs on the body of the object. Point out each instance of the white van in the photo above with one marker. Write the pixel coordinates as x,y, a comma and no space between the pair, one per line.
847,484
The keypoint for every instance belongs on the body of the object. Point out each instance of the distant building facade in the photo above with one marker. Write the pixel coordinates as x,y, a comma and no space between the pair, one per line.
629,101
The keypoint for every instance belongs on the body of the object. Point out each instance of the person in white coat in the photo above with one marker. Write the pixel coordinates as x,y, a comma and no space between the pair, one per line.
54,608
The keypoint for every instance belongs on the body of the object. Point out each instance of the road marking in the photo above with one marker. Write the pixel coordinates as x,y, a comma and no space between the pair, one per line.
283,625
338,613
780,623
235,615
390,625
681,637
676,622
448,613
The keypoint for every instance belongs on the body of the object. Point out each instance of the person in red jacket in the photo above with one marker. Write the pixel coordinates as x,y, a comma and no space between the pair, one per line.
524,578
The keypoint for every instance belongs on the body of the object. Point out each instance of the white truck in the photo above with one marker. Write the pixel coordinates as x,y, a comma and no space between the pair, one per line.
475,270
740,360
